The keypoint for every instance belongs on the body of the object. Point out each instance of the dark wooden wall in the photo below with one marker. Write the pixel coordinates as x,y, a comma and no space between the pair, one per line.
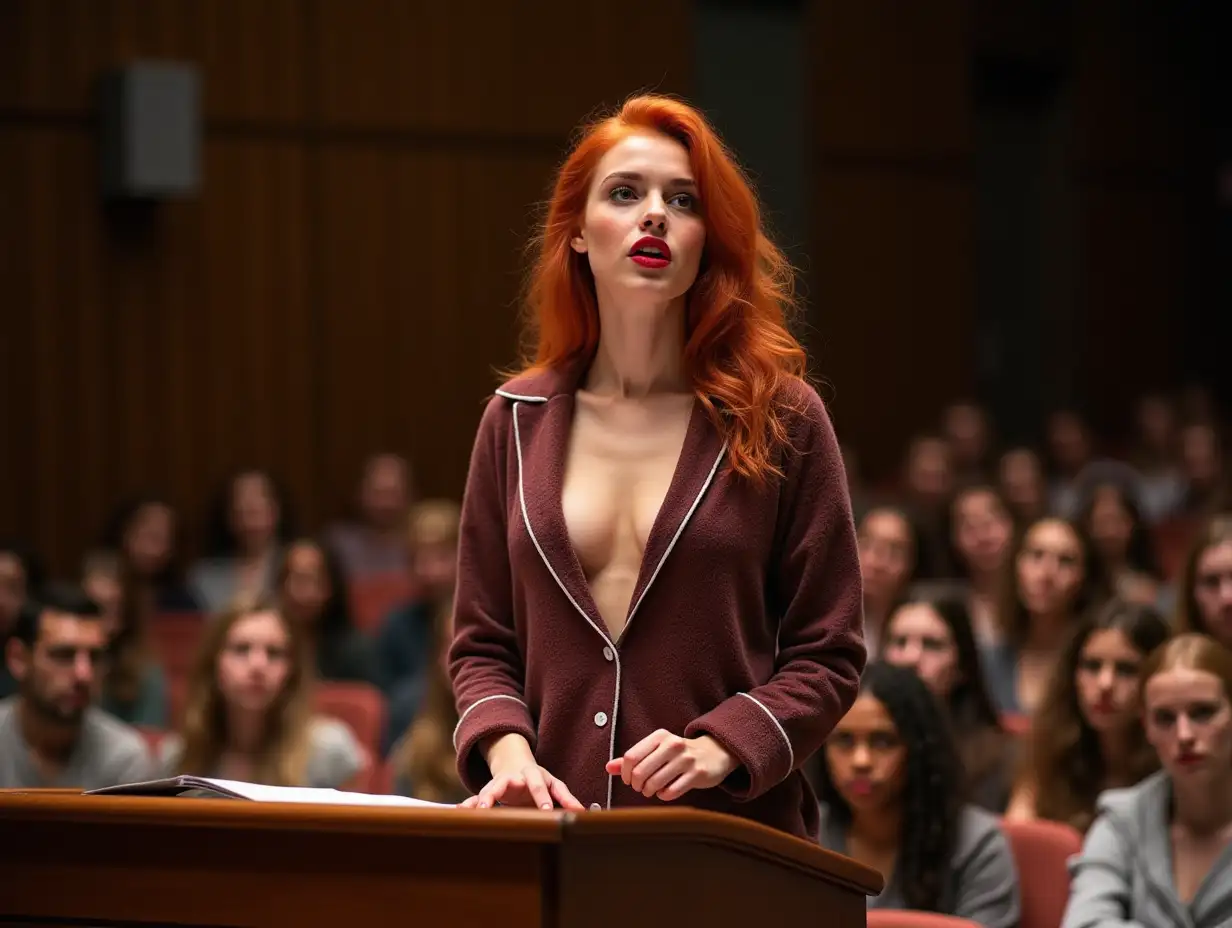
893,258
346,280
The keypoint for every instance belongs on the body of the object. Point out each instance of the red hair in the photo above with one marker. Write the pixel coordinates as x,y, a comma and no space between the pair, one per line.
738,350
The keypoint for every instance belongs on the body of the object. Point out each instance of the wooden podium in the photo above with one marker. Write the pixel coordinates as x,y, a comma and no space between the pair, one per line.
68,859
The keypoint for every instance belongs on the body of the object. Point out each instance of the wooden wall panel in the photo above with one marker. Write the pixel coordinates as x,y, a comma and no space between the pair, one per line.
893,260
344,283
251,53
533,68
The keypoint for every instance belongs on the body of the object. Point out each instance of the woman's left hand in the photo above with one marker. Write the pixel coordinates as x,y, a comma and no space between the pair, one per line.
667,766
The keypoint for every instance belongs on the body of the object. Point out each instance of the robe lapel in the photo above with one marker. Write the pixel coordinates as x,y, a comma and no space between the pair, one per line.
543,431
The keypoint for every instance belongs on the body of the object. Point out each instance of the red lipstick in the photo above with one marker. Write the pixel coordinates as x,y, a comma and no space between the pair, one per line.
652,252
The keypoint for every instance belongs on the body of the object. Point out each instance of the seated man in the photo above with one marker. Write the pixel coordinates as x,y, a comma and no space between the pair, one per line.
51,733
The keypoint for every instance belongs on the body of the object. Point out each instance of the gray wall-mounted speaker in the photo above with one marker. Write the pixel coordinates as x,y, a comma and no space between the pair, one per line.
150,121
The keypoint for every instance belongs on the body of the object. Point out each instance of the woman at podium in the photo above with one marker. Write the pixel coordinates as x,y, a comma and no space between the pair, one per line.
658,596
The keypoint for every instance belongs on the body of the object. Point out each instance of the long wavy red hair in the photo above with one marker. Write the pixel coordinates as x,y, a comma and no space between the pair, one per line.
739,353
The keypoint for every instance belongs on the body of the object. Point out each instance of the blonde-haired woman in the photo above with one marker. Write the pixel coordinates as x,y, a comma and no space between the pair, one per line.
248,714
407,646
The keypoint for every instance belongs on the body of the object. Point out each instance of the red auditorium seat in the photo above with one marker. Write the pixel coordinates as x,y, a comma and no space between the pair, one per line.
360,705
175,638
906,918
1041,853
374,595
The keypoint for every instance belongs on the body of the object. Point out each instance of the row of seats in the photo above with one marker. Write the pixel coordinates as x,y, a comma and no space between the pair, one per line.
1041,853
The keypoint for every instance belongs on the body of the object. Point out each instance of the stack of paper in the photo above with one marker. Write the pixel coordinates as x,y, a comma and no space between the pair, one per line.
234,789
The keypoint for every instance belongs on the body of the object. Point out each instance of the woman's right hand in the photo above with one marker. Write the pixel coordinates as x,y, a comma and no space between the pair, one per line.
530,786
518,780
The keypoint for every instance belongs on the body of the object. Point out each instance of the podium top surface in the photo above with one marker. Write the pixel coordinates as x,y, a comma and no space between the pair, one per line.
497,825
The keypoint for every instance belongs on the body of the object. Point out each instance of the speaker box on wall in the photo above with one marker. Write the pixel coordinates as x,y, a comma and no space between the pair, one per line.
150,119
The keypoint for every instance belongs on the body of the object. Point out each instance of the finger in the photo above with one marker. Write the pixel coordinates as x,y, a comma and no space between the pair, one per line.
470,802
639,752
662,778
538,788
497,790
668,750
678,788
562,795
613,766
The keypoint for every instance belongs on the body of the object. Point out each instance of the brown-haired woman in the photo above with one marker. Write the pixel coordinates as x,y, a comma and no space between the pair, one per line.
425,765
1204,596
1051,578
248,714
934,638
1160,853
888,544
1087,735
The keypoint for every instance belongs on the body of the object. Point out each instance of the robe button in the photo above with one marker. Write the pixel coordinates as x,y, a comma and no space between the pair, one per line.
600,719
608,654
595,807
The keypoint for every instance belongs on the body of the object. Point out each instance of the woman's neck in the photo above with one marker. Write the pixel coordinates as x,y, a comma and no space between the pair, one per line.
1046,631
254,551
881,829
641,350
1114,748
1203,810
245,732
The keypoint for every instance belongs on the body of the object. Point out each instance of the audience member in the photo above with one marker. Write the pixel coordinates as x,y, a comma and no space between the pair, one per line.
981,534
891,798
51,732
412,632
312,595
21,577
1155,457
1070,449
928,485
1049,581
967,429
248,527
1087,735
934,638
1202,464
1112,519
144,532
887,545
376,543
1023,486
249,710
1160,852
1204,599
134,688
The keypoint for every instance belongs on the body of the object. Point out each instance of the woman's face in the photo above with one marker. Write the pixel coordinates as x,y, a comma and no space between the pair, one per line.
1189,723
306,588
930,472
149,537
12,589
885,548
1200,455
982,530
1106,681
435,564
642,231
1111,525
103,586
866,757
967,431
255,662
1067,440
1022,480
1213,591
918,638
254,511
1049,568
1157,424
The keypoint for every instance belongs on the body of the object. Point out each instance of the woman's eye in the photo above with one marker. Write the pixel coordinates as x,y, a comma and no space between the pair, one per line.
622,194
683,200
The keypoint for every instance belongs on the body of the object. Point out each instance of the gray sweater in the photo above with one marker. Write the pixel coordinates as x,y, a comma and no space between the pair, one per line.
983,884
1123,877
